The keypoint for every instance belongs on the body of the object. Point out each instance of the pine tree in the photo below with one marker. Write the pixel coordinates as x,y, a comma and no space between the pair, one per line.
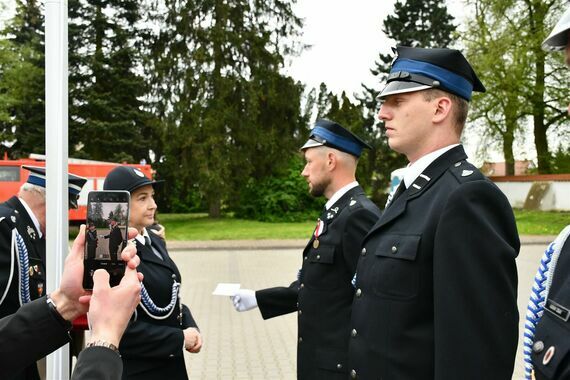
108,120
416,23
22,79
229,112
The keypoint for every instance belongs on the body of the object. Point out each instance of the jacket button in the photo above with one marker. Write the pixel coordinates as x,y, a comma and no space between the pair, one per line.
300,312
363,252
305,258
358,292
302,286
353,374
354,333
339,366
394,249
538,346
318,257
300,339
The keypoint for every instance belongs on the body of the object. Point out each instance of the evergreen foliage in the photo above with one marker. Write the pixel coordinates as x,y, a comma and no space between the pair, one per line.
108,120
22,78
228,113
283,197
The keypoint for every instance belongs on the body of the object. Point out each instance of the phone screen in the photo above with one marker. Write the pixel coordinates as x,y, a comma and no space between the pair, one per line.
105,235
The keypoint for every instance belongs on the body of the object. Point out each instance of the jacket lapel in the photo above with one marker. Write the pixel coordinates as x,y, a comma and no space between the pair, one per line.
27,230
426,179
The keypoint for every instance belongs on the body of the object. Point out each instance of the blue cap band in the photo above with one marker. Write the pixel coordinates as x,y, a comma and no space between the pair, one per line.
450,81
37,180
341,142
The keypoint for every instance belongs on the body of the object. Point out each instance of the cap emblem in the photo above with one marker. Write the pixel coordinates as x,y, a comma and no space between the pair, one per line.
138,172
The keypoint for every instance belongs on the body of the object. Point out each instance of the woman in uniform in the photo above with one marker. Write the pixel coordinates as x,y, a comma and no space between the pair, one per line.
153,345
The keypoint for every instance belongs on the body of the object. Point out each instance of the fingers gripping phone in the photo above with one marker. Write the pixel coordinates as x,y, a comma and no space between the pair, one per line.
105,235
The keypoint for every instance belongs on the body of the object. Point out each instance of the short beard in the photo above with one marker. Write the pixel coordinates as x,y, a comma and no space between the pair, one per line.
319,189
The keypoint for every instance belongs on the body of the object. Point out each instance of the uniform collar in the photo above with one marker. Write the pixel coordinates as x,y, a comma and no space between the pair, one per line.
141,237
32,217
414,170
336,196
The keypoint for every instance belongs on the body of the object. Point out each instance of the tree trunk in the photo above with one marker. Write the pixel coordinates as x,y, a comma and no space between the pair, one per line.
508,140
215,208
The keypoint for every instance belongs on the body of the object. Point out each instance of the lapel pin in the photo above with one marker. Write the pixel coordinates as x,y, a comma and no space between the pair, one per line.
13,219
352,202
31,232
466,173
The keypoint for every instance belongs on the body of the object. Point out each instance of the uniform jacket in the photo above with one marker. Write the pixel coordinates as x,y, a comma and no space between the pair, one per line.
323,294
151,348
91,244
89,365
27,335
437,281
553,329
14,215
115,237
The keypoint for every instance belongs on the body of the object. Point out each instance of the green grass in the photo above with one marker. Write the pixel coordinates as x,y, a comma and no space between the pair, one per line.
541,222
200,227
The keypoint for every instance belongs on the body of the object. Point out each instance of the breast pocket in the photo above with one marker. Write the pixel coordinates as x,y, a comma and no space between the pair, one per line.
319,269
395,267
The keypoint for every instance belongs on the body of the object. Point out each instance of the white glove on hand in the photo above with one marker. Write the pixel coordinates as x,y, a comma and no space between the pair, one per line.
244,300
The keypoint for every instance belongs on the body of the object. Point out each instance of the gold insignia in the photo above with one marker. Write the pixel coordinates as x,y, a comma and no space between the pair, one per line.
316,243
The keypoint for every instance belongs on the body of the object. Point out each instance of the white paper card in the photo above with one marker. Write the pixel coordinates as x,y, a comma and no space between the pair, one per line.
226,289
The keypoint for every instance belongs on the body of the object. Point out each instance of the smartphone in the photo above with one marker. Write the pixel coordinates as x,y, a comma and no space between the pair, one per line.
105,235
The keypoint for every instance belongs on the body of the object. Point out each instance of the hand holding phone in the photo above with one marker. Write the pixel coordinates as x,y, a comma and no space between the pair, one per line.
106,235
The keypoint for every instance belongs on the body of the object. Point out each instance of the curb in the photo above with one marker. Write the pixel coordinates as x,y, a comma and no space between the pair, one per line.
262,244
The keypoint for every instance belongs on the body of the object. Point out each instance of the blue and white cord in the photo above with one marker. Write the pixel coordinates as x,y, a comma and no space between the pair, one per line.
155,311
24,265
539,295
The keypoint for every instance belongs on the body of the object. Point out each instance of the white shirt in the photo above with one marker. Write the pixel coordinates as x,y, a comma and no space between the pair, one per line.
340,192
32,216
141,239
414,170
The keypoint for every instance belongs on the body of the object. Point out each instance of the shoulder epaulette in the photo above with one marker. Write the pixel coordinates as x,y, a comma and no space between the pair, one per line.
464,171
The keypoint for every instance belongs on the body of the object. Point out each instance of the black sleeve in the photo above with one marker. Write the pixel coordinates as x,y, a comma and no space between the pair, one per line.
280,300
187,318
90,365
28,335
475,285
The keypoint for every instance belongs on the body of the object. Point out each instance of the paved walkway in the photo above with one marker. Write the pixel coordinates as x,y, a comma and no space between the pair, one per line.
243,345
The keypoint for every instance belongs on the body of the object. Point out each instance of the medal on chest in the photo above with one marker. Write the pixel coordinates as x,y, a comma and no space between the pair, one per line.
318,231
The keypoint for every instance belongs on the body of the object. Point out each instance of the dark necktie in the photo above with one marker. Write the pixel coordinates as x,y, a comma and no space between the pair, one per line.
147,242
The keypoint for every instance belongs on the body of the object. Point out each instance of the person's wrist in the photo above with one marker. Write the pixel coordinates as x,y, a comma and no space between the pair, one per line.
65,306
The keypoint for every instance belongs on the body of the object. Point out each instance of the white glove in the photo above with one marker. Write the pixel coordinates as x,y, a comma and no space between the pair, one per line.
244,300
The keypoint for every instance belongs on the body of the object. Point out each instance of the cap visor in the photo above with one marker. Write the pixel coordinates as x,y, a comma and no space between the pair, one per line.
398,87
311,144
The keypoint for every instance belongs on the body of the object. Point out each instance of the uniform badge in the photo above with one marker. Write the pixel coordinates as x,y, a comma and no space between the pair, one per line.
466,173
352,202
31,233
13,219
318,230
330,216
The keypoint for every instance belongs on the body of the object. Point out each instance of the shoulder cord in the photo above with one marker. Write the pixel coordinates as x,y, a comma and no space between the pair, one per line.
12,247
538,296
154,311
18,249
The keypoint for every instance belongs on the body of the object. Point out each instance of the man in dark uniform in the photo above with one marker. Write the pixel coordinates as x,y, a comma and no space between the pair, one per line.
22,246
437,280
115,237
91,241
322,294
42,325
547,327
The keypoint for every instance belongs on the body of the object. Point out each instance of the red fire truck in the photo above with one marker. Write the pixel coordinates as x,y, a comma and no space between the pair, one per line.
12,176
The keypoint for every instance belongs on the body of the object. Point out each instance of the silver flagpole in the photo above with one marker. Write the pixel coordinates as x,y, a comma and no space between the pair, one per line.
56,71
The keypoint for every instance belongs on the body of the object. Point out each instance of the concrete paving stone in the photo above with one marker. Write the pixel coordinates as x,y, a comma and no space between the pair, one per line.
243,345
